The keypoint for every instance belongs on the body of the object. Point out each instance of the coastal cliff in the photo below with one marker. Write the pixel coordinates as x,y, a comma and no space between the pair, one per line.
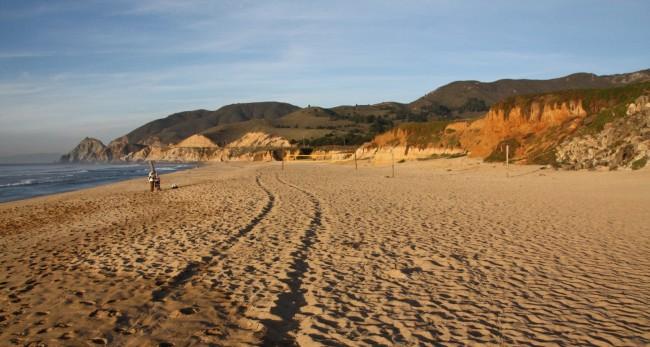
551,128
89,150
526,128
622,143
254,146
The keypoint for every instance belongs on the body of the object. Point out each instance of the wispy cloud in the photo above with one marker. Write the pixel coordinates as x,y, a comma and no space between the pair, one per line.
18,88
27,9
70,66
171,7
20,55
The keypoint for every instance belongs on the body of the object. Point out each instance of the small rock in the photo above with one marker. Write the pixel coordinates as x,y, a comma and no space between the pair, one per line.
67,336
125,331
99,341
99,314
189,310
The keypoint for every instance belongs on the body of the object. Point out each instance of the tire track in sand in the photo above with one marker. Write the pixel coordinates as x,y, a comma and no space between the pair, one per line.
289,303
194,268
192,272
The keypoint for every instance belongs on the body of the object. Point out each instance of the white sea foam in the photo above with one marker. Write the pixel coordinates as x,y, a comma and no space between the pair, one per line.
19,183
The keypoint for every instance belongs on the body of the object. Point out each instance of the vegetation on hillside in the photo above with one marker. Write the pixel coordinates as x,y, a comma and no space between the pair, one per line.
602,106
420,134
505,148
474,105
594,101
464,98
640,163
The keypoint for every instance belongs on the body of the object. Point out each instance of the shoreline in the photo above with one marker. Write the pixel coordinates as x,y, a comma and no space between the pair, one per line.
450,165
105,182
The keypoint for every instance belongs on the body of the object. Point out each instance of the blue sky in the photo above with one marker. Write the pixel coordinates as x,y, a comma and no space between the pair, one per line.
70,69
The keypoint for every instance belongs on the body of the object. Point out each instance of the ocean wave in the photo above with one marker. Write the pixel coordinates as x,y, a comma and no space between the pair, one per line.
34,181
19,183
174,168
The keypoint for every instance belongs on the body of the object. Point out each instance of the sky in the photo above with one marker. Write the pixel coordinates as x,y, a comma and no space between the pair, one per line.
100,68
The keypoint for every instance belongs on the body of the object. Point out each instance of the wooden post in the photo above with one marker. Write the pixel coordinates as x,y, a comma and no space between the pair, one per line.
507,160
356,167
282,155
392,159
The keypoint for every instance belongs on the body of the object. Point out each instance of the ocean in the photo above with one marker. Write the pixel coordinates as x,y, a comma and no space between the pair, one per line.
21,181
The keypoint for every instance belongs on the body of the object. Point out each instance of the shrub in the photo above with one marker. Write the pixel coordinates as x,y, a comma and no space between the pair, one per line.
499,153
474,105
639,163
547,157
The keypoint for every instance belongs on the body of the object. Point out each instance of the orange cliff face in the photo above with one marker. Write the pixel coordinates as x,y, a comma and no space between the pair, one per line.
526,124
534,125
395,136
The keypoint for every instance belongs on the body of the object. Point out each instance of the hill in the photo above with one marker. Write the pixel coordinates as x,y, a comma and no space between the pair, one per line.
178,126
89,150
468,99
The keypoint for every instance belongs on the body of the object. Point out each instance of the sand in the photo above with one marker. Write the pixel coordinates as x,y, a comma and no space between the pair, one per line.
449,252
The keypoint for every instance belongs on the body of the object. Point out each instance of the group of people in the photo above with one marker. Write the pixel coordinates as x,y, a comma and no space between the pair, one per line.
154,181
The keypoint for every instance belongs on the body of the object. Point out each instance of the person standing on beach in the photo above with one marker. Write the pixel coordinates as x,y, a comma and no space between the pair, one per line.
156,181
152,180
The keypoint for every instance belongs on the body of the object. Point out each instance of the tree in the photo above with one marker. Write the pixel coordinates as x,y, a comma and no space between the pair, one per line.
474,105
380,125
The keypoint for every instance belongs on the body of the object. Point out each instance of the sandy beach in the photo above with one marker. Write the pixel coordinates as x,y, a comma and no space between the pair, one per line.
448,252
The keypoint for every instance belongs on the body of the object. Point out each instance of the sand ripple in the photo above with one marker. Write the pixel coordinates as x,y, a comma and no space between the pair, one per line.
326,255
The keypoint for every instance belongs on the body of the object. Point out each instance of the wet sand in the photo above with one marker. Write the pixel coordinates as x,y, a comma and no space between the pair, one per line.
449,252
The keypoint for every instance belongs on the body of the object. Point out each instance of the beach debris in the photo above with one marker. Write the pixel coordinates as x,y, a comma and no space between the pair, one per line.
174,186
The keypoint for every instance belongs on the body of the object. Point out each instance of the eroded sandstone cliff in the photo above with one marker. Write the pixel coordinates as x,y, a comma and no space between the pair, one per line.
530,128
